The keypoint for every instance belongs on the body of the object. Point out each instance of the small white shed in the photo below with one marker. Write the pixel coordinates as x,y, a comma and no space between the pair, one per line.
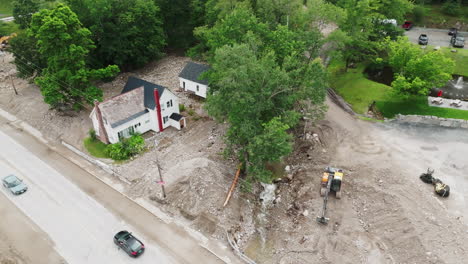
190,81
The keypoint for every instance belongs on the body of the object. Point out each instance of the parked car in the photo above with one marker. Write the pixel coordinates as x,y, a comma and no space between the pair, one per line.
14,184
453,31
407,25
423,39
130,244
457,41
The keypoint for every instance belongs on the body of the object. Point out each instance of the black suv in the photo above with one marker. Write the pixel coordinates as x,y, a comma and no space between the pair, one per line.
453,31
130,244
423,39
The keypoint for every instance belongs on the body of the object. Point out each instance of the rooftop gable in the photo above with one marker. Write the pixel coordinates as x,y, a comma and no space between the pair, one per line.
192,72
125,106
148,90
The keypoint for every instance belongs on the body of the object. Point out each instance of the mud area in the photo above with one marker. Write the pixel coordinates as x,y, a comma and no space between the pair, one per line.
386,214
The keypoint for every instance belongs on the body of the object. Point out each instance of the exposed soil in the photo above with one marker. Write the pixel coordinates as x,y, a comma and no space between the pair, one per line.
386,215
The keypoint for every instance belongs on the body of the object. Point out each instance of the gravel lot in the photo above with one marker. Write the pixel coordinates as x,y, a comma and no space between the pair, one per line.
437,37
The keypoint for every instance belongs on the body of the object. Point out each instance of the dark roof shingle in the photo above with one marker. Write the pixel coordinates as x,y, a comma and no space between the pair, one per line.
134,82
176,116
192,71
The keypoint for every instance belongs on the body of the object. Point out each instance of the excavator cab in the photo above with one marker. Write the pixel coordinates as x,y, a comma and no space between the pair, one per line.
335,176
331,181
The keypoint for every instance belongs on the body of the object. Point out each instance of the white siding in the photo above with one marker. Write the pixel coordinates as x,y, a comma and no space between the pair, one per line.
141,127
148,121
192,86
167,111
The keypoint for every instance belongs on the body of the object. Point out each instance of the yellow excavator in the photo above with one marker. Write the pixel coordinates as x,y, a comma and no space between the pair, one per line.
4,40
331,182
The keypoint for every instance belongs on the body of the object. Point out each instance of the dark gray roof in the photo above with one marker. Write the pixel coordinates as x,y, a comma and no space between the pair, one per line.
134,82
192,71
123,121
176,116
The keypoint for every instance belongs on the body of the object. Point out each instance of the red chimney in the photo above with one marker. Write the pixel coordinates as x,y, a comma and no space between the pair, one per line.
102,130
158,109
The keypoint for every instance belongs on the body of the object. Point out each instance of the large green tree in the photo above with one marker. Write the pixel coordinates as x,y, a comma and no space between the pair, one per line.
417,71
66,81
126,33
28,60
261,100
23,11
236,27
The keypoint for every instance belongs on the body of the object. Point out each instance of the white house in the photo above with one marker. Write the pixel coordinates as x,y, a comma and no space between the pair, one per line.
190,81
140,107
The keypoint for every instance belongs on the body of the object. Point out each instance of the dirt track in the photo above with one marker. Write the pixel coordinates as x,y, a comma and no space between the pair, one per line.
387,215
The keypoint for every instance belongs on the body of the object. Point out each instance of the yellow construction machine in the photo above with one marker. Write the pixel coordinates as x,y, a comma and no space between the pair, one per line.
4,40
331,182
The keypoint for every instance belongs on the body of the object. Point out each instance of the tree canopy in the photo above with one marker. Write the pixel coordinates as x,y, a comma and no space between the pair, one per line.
417,71
23,11
126,33
66,81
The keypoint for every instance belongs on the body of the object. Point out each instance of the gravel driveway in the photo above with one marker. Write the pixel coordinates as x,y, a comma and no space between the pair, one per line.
437,37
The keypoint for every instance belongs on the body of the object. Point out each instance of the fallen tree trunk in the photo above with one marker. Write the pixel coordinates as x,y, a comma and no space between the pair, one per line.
233,185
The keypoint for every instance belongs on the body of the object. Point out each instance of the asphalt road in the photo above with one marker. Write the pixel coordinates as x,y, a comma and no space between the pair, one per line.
80,214
21,240
7,19
437,37
81,228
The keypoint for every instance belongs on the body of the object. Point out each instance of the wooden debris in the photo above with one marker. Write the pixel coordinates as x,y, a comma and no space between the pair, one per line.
233,185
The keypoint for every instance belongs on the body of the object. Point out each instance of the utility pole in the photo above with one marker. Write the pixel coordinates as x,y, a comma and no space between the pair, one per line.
161,181
12,83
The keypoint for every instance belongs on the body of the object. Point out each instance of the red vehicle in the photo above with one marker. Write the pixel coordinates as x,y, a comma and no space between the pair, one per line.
407,25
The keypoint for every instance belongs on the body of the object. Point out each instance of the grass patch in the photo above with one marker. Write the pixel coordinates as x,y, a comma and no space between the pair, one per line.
9,27
365,118
360,92
6,8
435,18
95,147
418,106
461,59
356,89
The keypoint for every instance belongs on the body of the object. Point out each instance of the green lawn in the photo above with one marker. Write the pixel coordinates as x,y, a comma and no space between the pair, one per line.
7,28
95,148
461,60
6,9
360,92
435,18
417,106
356,89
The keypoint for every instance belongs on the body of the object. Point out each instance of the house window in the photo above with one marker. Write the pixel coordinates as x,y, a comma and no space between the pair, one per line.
183,84
198,88
126,132
147,121
165,119
169,103
137,125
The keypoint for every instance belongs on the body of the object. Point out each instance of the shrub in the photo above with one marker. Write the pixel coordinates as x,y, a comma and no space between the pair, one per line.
134,145
92,134
116,151
419,12
451,7
181,107
126,148
191,112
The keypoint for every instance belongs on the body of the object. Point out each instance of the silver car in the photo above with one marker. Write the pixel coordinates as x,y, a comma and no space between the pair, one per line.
15,185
